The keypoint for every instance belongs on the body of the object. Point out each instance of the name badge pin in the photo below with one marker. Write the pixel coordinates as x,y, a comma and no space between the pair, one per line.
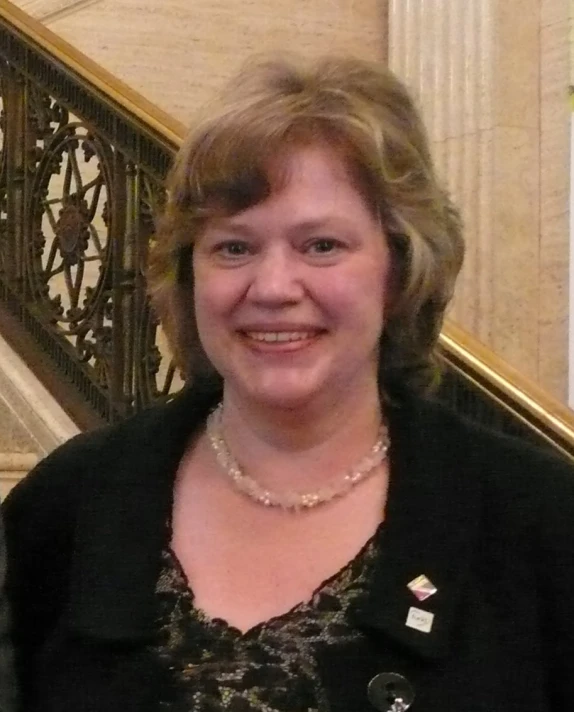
419,620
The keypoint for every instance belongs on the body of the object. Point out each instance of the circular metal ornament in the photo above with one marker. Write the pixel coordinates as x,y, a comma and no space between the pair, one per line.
69,248
390,692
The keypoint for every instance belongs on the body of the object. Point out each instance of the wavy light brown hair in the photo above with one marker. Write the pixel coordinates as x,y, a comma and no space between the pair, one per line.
363,111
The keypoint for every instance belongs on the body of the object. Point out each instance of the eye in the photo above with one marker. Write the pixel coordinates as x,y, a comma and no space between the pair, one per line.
324,246
232,248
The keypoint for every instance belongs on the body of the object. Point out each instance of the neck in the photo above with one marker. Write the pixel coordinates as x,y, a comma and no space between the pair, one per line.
301,448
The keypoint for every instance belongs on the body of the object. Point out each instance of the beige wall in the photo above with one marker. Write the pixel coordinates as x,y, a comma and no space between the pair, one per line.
176,51
492,80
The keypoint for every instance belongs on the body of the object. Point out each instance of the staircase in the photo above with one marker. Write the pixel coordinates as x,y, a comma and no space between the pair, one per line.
32,423
14,466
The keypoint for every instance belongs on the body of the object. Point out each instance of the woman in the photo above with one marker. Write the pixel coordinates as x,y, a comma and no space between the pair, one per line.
299,529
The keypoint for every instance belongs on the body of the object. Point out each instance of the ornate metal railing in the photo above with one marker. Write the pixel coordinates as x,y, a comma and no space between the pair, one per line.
484,387
82,165
82,162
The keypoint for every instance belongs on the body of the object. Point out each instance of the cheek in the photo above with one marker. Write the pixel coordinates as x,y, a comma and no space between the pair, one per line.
207,317
201,306
364,295
215,308
370,308
213,296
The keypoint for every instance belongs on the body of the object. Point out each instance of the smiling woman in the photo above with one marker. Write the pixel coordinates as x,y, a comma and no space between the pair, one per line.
364,126
303,527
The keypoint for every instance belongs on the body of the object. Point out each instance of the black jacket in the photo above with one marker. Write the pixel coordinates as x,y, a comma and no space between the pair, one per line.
489,521
7,680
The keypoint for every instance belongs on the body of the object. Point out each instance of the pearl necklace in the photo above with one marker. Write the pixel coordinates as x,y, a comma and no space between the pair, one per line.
291,500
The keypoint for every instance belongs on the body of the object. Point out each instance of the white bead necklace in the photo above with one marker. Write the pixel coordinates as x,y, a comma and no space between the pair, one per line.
292,500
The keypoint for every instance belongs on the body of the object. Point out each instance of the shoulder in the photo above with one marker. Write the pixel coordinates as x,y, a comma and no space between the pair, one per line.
518,478
66,467
488,447
99,482
106,457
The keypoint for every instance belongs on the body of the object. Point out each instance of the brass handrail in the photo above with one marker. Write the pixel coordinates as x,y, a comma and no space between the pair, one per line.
116,91
518,395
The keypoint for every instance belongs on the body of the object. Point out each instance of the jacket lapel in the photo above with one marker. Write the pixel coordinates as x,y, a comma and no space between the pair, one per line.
431,525
123,520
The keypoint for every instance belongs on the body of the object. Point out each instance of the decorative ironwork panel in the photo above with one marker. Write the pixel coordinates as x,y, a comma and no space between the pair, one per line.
80,186
156,375
68,247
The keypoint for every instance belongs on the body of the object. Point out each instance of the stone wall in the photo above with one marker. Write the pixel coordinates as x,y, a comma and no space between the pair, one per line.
492,81
175,52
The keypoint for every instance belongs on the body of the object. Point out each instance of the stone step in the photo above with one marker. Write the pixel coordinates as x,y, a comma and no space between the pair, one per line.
14,466
32,423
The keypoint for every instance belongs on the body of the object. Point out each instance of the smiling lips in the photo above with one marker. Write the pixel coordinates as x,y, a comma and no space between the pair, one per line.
275,339
282,336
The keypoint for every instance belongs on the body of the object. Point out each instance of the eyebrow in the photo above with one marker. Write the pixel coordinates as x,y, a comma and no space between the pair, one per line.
300,226
227,225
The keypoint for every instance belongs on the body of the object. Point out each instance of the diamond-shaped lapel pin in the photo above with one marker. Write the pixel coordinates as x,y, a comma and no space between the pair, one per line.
422,587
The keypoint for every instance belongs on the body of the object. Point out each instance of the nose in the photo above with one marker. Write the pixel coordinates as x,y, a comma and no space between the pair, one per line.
276,279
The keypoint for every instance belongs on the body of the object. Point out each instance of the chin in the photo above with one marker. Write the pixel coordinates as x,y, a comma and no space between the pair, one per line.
281,396
283,401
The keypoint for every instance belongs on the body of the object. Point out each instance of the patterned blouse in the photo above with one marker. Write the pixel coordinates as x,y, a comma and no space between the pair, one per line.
271,667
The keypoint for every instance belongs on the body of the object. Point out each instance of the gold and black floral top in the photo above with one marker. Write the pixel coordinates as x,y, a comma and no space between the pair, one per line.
270,668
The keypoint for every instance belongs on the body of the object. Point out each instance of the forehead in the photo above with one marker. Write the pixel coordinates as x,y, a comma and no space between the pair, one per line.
303,182
311,181
315,164
313,191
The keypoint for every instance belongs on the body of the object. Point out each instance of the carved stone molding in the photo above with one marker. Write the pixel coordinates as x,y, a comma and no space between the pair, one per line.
50,10
13,467
39,414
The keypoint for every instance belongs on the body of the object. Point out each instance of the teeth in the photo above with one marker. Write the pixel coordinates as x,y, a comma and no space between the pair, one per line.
281,336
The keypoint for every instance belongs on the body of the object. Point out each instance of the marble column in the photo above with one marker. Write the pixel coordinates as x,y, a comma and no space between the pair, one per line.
491,79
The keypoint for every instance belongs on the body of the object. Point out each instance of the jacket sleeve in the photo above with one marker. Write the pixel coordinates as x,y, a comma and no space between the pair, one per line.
555,564
38,515
7,679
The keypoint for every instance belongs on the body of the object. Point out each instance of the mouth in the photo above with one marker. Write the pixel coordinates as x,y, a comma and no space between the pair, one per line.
280,340
271,337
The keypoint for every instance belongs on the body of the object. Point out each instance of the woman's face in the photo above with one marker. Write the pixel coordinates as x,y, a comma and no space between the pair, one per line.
290,294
